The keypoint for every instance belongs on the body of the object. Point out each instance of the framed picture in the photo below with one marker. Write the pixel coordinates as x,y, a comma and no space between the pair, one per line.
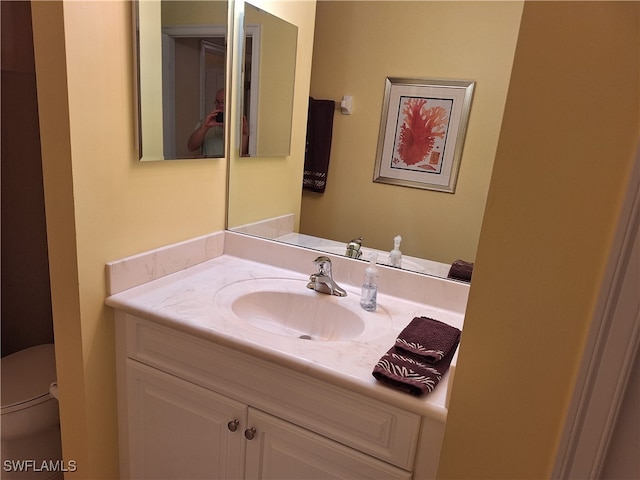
422,132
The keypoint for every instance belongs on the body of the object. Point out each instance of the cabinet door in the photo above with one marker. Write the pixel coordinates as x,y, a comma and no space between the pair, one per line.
178,430
280,450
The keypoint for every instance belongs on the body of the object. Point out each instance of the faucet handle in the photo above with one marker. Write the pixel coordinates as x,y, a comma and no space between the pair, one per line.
322,262
353,248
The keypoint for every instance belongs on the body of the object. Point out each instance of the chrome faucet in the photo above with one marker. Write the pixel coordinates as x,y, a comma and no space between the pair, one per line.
322,280
353,248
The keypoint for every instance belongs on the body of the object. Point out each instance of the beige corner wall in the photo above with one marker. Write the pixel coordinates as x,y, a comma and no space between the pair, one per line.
357,45
101,204
265,187
568,139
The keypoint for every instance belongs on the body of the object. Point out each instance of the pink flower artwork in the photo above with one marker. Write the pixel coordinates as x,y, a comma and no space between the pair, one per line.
421,134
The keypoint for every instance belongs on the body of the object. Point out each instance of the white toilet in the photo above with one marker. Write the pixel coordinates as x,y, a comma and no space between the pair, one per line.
30,424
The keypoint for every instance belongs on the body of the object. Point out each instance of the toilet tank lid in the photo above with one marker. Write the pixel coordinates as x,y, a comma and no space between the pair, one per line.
27,374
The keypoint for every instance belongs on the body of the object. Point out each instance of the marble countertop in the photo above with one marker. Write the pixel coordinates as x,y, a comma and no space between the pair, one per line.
186,301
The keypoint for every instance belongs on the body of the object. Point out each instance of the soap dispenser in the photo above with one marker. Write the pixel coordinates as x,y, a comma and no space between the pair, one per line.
395,255
369,295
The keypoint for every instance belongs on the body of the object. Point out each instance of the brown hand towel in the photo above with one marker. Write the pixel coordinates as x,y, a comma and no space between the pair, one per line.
318,149
409,373
421,356
428,338
461,270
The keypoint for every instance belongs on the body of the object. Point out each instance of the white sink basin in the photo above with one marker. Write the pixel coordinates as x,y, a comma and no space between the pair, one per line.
287,307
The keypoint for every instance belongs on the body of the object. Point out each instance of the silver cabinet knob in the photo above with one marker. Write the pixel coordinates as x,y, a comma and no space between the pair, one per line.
233,425
250,433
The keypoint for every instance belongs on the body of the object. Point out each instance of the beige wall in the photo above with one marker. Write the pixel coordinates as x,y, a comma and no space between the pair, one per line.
357,45
194,12
567,143
265,187
102,204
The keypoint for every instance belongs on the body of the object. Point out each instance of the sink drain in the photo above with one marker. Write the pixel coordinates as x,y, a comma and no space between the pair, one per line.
305,337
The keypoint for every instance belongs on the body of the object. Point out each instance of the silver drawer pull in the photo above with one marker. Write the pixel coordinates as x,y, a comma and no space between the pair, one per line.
250,433
233,425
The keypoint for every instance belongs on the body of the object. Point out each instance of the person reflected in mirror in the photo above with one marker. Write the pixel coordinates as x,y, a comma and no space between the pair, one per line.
208,136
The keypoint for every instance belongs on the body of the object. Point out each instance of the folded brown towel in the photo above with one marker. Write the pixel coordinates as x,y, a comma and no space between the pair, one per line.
461,270
420,357
428,338
407,372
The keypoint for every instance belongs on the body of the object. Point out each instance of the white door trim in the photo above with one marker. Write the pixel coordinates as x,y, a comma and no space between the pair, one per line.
609,352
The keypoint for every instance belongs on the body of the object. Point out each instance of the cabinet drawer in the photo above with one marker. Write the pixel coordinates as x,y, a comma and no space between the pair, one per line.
376,428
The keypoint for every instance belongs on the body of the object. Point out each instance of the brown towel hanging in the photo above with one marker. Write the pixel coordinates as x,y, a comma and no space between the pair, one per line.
318,147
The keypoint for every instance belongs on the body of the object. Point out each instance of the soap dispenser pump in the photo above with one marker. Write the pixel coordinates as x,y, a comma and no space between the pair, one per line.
395,255
369,295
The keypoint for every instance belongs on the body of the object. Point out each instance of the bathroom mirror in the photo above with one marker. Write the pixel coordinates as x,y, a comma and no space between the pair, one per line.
472,41
270,45
181,53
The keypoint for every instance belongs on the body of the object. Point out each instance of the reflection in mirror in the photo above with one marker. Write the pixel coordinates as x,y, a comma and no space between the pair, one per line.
465,40
181,53
269,74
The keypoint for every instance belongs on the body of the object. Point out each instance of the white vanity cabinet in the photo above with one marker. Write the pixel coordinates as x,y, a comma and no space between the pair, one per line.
178,430
190,408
